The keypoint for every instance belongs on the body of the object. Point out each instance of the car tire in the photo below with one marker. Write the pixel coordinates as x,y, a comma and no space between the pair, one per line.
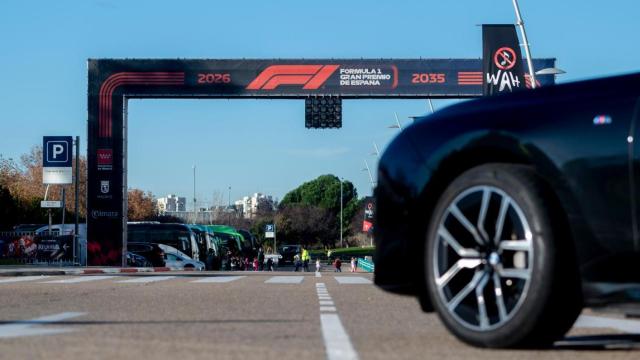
500,267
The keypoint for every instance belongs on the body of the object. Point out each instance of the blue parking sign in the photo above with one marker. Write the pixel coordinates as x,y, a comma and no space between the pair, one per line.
57,157
268,228
57,151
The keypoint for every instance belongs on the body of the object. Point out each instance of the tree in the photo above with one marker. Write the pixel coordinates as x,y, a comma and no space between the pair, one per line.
142,206
23,180
314,208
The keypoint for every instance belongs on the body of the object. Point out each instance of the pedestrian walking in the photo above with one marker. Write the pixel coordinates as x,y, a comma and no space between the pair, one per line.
317,265
353,264
338,265
261,259
297,262
305,259
269,264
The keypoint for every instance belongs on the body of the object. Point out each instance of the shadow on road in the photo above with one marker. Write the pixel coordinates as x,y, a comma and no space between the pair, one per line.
150,322
599,342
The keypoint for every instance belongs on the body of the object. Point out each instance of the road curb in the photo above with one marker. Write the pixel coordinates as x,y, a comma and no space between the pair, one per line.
51,272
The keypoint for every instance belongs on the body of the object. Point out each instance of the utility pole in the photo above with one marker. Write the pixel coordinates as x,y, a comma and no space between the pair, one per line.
195,209
229,208
77,191
341,212
527,51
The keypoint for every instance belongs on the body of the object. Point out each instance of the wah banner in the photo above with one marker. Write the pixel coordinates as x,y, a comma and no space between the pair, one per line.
502,66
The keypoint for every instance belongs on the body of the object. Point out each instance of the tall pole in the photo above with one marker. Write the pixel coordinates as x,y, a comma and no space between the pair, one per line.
376,150
229,208
195,214
77,192
341,212
527,51
366,164
397,120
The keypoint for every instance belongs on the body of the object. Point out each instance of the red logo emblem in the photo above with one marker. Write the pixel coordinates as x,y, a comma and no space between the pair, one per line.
505,58
105,156
311,76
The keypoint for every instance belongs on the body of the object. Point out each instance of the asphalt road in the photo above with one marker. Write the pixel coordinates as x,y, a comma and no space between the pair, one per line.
277,315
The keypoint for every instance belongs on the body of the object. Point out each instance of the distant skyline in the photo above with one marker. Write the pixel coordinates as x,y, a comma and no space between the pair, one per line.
262,145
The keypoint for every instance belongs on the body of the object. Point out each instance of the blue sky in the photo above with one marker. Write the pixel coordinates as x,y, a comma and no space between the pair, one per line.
263,145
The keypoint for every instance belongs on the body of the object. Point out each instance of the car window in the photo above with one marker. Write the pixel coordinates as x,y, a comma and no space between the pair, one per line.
171,257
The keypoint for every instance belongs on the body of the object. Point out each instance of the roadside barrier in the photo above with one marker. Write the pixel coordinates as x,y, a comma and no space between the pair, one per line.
366,265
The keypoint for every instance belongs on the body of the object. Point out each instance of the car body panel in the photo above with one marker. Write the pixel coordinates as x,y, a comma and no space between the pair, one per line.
552,129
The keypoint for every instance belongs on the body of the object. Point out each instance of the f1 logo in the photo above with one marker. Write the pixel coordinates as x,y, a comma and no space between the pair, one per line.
311,76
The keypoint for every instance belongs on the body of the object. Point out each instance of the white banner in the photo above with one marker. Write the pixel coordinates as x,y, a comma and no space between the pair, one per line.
57,175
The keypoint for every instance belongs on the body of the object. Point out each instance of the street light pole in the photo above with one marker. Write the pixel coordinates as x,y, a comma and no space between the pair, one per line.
527,51
341,212
229,208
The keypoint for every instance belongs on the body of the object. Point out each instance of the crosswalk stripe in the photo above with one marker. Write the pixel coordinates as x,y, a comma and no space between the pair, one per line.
352,280
285,280
22,278
146,279
218,279
79,279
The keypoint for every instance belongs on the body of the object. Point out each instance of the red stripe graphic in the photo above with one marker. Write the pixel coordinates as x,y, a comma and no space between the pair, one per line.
469,78
108,87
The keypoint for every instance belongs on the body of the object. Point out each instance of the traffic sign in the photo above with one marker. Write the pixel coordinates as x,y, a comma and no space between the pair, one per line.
269,231
49,204
57,156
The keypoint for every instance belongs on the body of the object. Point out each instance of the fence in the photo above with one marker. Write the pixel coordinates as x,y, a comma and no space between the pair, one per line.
17,248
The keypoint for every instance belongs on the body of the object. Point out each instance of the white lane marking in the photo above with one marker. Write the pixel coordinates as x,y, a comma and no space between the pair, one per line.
33,327
22,278
218,279
324,297
326,302
285,280
328,308
352,280
318,274
336,340
79,279
628,326
146,279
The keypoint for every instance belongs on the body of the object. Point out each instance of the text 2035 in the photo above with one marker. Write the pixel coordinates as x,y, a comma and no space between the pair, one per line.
428,78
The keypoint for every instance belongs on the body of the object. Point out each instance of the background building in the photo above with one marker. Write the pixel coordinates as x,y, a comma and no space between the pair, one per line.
250,206
171,203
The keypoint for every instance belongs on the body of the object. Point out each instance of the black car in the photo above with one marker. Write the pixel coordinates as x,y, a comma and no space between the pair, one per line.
151,252
288,252
507,215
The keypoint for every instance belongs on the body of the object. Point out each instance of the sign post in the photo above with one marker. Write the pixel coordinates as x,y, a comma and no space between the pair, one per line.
57,156
270,233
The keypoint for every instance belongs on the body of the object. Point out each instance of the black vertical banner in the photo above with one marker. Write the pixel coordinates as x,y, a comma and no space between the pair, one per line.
369,212
502,68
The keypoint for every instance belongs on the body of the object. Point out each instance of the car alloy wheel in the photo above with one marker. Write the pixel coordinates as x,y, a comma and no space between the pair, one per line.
483,258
